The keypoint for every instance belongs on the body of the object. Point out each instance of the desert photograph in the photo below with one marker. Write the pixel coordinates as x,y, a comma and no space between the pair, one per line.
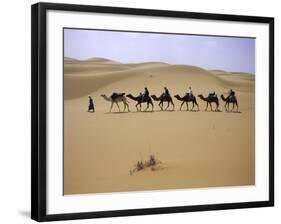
157,111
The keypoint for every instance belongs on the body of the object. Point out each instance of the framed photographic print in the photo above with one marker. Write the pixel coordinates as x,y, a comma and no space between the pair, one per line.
139,111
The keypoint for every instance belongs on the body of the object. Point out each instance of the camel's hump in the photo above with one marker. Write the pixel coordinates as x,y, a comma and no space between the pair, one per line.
116,95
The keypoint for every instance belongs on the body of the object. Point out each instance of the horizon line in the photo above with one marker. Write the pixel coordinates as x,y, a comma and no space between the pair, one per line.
213,69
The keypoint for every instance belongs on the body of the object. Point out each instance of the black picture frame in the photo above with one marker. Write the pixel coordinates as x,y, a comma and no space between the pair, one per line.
39,123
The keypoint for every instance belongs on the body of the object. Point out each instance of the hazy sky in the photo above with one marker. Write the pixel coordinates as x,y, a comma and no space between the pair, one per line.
210,52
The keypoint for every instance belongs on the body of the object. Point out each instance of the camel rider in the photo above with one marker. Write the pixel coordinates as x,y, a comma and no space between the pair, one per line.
189,92
231,93
167,93
145,94
212,94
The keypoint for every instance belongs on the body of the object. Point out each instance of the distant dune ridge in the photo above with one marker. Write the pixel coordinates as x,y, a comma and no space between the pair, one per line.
66,59
83,77
198,149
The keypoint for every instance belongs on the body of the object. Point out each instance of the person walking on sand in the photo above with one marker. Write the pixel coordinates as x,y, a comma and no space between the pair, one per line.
91,106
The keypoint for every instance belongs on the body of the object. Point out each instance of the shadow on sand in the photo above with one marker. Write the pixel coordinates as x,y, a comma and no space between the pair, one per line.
148,111
234,112
125,112
189,110
212,111
163,111
168,110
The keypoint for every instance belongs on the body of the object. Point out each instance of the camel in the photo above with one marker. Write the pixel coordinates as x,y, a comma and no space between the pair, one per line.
163,98
228,100
186,99
116,98
140,99
210,100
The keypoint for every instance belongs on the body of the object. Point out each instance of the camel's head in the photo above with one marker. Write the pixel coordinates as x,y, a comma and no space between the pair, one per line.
201,96
177,97
153,97
103,95
128,95
222,97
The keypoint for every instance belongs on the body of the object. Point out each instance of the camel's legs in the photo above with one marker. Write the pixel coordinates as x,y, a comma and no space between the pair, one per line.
192,105
167,105
207,106
182,104
197,106
186,105
137,107
225,106
232,106
211,106
237,106
173,104
126,105
111,107
118,106
147,106
161,105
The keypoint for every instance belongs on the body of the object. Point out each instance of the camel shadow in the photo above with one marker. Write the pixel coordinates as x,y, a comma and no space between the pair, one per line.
143,111
188,110
168,110
130,112
214,111
148,111
117,112
234,112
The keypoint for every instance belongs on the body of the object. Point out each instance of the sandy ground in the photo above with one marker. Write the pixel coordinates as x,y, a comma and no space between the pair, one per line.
197,149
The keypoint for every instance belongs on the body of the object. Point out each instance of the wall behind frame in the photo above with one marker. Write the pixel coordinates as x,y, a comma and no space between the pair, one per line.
15,110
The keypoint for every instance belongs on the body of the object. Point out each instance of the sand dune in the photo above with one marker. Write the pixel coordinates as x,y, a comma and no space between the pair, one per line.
102,61
82,77
198,149
66,59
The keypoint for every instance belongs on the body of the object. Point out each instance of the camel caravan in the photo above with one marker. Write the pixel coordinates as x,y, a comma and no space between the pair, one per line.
165,97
